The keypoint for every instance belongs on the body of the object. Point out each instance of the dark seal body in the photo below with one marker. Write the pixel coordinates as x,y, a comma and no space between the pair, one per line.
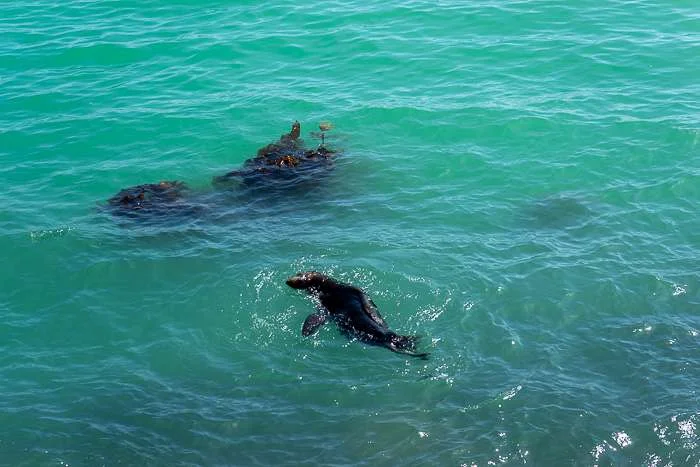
352,310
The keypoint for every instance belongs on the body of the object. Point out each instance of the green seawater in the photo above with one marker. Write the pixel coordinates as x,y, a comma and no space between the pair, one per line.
518,183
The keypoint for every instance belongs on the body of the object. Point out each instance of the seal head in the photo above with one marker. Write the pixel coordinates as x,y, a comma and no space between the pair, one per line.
307,280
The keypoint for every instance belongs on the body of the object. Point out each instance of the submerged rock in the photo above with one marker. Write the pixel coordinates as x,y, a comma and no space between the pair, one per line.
282,165
152,198
283,160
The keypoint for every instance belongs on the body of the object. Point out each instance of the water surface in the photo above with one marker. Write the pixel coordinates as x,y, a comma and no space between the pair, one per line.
518,184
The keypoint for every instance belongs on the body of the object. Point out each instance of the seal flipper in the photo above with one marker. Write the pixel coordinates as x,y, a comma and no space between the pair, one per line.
405,345
371,309
313,322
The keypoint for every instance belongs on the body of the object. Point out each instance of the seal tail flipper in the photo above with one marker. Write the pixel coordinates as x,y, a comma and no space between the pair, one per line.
405,345
313,322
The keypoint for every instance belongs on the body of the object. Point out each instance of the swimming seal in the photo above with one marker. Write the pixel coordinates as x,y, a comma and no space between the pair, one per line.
353,311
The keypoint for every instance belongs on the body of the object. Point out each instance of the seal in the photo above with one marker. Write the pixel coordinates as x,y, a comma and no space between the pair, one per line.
353,311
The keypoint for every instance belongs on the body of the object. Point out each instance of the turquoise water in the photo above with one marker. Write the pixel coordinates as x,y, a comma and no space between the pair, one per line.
519,184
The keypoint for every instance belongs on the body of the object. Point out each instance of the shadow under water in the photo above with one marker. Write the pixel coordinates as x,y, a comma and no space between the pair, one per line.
556,212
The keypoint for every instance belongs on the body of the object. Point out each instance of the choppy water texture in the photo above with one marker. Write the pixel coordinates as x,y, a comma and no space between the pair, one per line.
519,184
